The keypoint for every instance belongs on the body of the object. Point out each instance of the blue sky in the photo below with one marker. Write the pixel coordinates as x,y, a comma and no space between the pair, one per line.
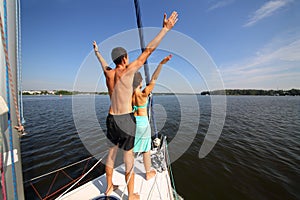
253,43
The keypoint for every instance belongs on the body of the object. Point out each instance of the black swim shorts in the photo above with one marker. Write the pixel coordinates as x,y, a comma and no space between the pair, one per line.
121,130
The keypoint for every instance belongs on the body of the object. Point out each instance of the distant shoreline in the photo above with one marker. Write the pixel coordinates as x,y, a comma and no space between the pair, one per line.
228,92
253,92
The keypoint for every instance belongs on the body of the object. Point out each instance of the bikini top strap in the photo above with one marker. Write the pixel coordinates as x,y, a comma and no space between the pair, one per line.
135,108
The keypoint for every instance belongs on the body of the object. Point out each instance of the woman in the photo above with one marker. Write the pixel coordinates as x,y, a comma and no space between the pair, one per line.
142,142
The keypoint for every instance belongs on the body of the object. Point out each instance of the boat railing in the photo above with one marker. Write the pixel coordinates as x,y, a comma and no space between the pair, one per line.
58,182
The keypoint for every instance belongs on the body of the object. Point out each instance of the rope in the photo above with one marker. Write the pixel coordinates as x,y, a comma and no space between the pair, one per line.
146,67
171,173
54,193
57,170
170,189
60,189
57,191
68,176
131,171
8,77
152,117
53,181
147,78
36,192
60,196
152,188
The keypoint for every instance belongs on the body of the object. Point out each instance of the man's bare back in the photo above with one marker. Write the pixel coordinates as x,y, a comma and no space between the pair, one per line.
119,84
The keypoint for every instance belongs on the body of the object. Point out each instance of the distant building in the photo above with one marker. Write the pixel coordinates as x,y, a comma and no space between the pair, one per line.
32,92
51,92
39,92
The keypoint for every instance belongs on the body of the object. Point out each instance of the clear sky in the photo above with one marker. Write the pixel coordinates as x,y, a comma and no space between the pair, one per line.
253,43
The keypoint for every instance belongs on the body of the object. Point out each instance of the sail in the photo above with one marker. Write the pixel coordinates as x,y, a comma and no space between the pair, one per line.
12,178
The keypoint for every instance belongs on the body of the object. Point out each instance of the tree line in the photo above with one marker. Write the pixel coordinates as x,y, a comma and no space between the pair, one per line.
60,92
292,92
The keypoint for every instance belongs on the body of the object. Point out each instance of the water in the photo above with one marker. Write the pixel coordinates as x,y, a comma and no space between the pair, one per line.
256,157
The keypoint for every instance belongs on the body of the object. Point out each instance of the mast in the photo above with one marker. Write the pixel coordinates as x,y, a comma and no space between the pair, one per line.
146,67
10,143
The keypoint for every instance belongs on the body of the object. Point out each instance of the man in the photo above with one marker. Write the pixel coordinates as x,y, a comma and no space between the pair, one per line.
120,120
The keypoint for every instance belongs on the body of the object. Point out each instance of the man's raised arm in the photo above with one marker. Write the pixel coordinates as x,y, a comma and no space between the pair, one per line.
100,58
168,24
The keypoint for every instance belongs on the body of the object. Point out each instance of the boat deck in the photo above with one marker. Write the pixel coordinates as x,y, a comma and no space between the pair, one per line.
156,188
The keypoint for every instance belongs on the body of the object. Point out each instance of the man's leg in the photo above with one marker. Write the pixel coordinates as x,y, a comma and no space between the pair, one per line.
129,174
109,168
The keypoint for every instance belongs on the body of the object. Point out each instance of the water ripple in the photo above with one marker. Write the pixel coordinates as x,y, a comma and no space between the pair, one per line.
256,157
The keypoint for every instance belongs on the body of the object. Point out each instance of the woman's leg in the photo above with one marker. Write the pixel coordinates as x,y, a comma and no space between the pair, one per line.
147,163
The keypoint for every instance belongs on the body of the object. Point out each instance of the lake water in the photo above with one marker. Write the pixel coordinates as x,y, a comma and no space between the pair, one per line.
256,157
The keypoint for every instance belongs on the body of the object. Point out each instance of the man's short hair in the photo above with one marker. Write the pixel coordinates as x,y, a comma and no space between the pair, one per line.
117,54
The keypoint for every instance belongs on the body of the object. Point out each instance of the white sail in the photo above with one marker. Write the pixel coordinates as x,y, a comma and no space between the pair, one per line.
10,143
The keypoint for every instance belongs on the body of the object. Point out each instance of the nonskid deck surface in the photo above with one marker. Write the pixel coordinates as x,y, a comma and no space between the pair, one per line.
156,188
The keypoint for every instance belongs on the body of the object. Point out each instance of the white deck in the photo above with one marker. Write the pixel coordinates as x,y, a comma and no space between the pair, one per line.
156,188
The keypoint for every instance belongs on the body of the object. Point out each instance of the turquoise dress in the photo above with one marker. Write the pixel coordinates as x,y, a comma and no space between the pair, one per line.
142,141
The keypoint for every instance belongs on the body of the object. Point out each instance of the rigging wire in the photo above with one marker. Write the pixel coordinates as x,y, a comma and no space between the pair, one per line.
170,170
19,60
60,196
60,169
146,69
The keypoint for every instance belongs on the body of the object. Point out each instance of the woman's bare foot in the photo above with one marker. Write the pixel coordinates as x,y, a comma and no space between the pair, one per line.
110,189
134,196
150,174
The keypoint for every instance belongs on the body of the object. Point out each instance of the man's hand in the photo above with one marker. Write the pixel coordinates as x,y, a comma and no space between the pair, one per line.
166,59
95,46
171,21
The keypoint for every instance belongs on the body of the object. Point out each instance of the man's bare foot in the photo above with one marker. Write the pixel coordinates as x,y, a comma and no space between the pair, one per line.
134,196
150,174
110,189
